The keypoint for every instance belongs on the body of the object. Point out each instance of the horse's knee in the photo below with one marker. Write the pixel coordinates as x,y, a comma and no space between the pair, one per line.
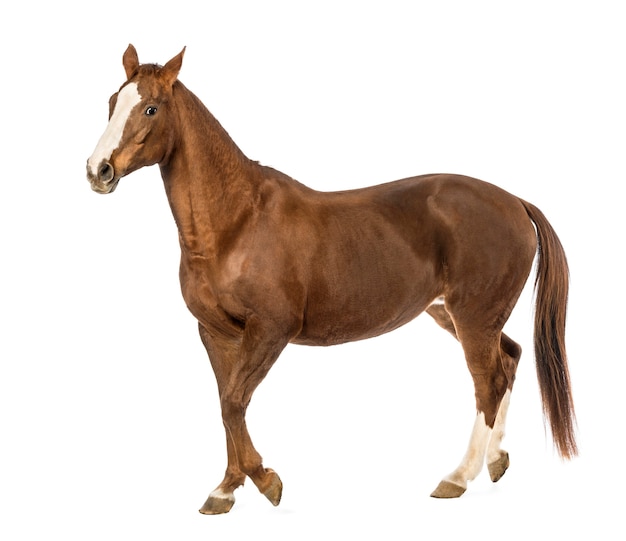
232,410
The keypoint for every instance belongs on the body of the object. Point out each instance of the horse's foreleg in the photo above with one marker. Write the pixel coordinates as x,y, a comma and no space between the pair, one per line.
222,499
246,367
223,353
248,459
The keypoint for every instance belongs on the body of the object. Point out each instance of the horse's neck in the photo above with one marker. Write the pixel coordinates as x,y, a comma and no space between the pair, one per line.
208,180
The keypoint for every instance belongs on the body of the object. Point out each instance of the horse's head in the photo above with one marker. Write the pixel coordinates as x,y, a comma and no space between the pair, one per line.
139,118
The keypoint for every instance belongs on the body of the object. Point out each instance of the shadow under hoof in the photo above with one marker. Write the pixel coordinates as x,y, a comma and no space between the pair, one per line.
275,490
446,489
217,506
499,467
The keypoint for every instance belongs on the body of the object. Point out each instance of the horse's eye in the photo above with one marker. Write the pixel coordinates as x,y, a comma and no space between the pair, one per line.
151,111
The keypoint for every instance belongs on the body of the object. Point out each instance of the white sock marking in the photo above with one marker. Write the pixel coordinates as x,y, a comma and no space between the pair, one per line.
473,460
221,495
493,452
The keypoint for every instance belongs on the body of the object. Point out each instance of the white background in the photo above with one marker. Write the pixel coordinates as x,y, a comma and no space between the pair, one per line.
109,419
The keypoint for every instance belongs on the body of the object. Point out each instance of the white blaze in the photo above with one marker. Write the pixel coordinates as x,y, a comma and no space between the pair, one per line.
110,140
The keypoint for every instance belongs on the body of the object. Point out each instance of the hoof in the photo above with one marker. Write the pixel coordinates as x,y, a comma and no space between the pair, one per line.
447,489
217,504
275,490
498,467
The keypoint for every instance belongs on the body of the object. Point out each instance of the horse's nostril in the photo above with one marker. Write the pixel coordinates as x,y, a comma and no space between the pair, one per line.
105,172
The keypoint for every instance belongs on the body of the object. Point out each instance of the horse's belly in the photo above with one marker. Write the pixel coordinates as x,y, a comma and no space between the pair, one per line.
358,293
344,331
331,324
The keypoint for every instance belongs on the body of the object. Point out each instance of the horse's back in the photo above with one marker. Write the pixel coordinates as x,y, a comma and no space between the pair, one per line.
441,215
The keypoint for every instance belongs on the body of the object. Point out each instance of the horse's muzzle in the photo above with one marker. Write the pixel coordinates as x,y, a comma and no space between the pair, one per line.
104,181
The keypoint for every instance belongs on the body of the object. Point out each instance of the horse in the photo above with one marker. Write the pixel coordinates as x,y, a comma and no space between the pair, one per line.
267,261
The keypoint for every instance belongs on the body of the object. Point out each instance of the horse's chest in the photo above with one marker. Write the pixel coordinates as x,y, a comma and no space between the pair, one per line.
206,295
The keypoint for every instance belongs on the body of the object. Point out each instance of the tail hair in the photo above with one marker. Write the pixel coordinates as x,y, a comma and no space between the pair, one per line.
551,294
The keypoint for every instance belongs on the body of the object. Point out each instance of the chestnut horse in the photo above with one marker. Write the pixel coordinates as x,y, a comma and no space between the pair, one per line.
267,261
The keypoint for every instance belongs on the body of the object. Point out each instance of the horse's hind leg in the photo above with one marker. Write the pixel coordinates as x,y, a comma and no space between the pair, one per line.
497,458
493,370
490,386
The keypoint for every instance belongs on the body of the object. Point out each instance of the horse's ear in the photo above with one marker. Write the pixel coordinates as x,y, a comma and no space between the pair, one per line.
130,61
170,71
